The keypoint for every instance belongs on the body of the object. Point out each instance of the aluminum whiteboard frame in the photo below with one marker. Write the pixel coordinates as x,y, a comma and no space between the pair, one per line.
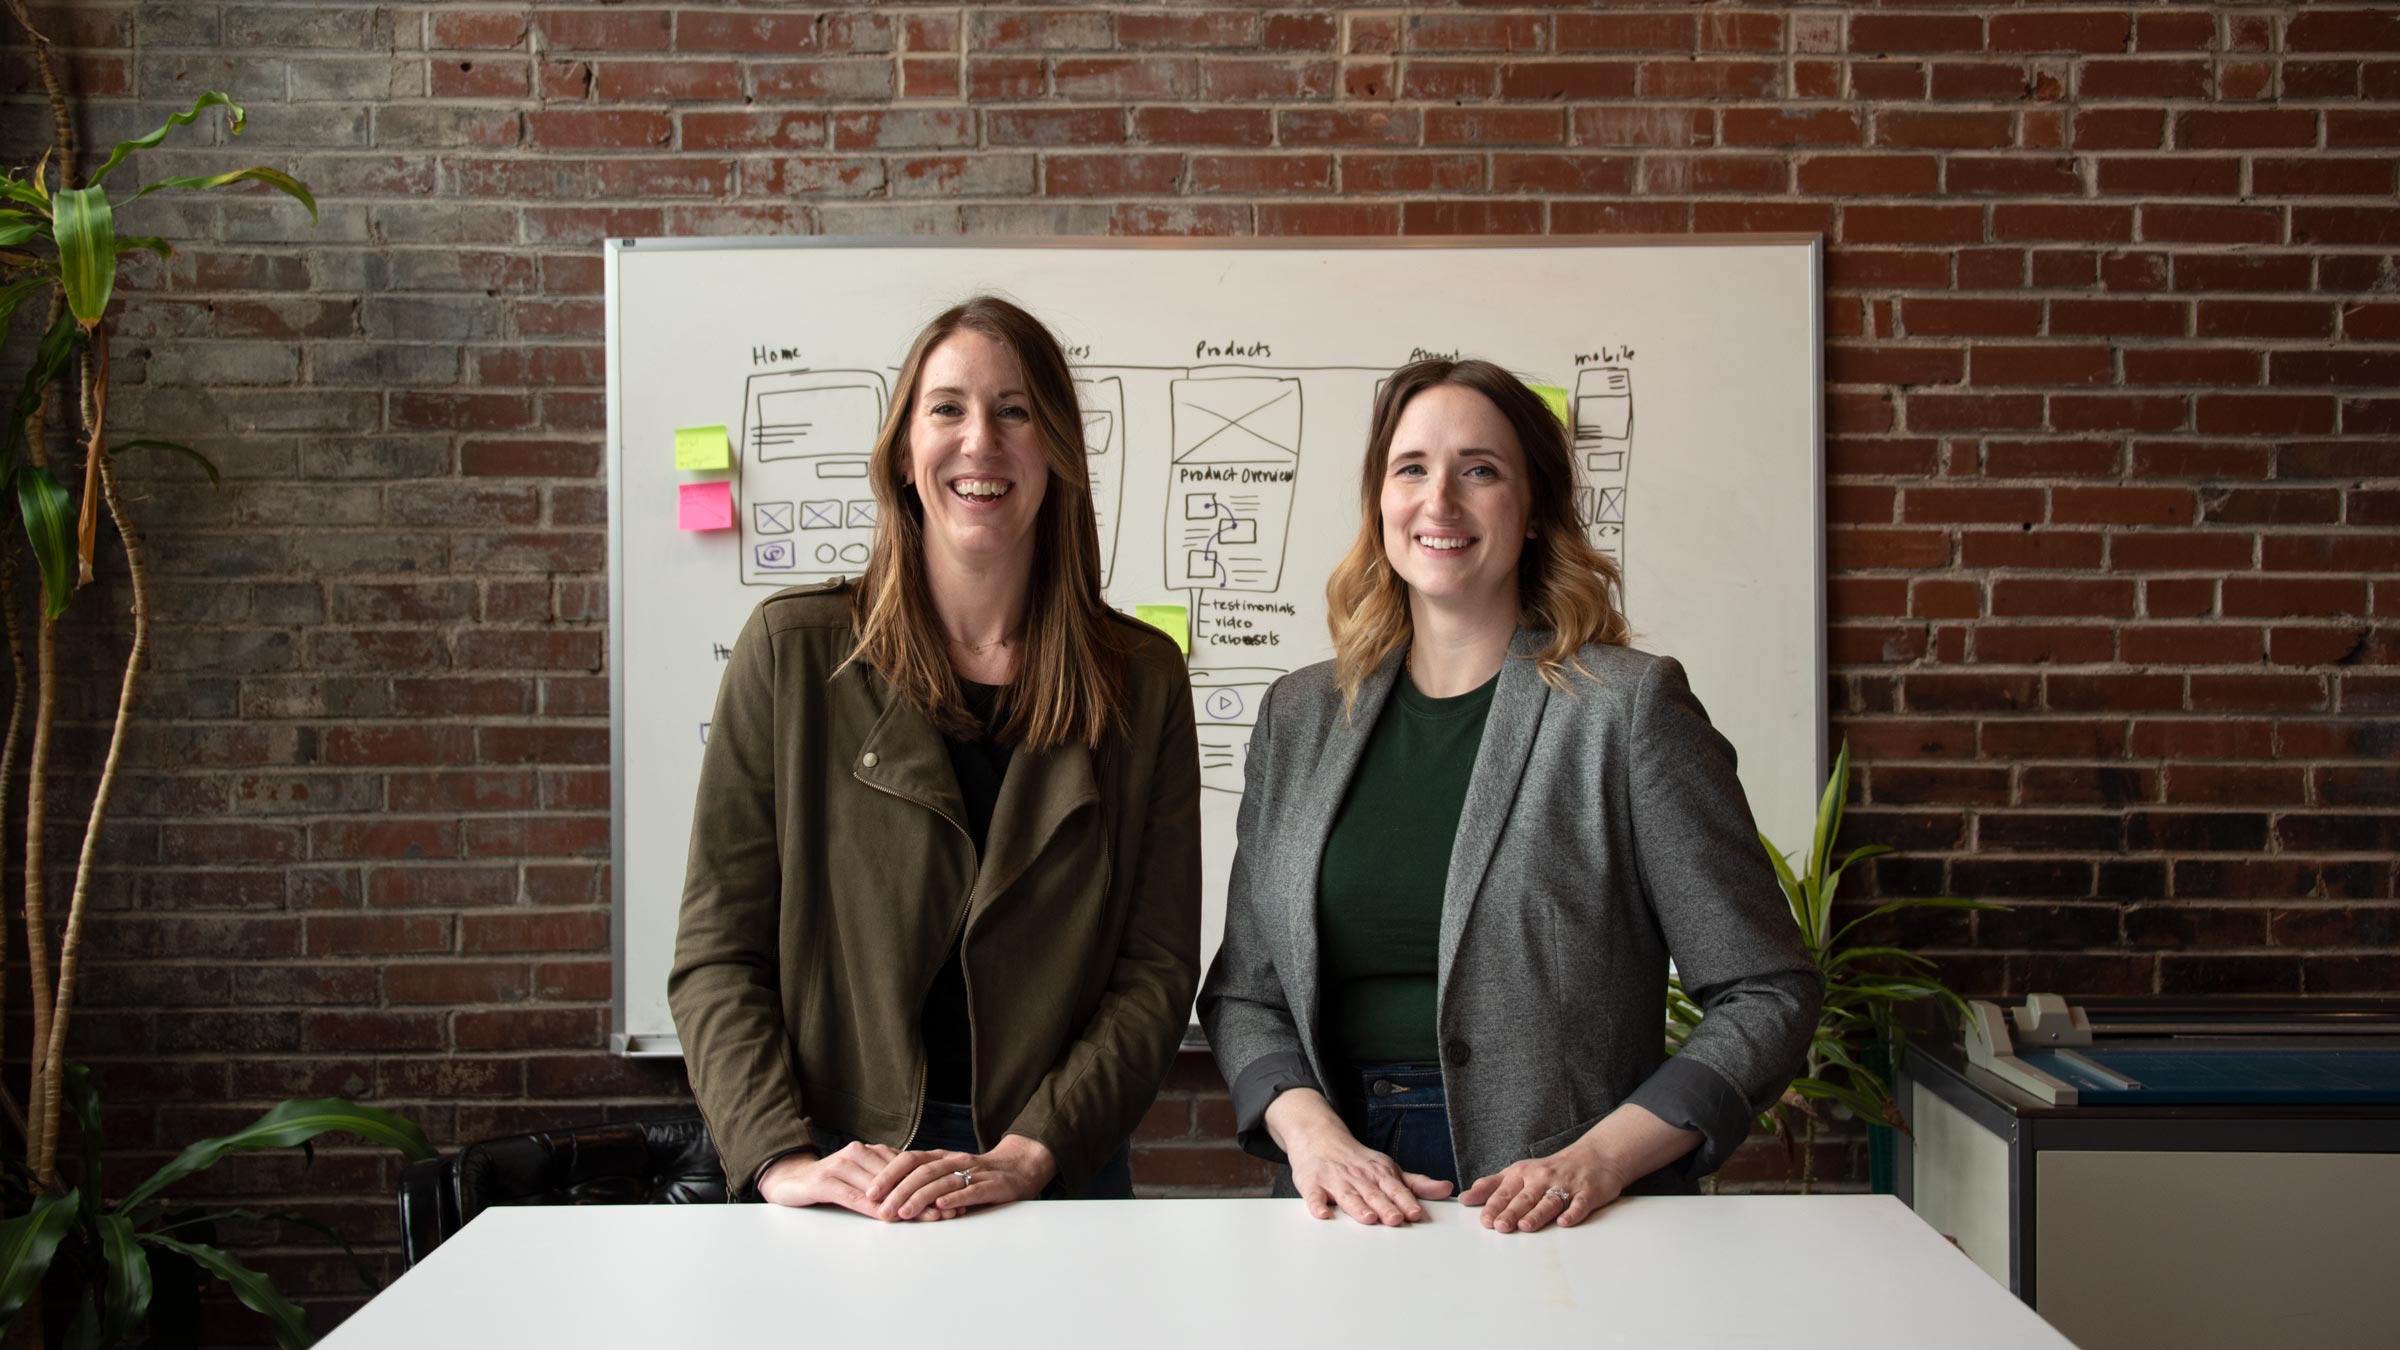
621,1041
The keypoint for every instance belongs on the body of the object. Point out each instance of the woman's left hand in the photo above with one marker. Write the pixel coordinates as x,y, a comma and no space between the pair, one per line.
941,1184
1525,1196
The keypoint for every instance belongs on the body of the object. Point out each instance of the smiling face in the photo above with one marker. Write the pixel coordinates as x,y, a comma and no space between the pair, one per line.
975,455
1455,500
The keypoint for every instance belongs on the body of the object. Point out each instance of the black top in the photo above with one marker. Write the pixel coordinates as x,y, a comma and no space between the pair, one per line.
980,764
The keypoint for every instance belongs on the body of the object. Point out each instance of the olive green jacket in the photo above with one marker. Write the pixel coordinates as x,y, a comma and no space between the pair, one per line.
831,869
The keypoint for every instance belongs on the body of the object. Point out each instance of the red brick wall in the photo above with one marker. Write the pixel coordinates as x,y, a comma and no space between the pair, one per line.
2114,487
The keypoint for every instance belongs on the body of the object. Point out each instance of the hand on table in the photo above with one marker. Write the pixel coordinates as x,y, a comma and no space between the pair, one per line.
943,1183
1331,1169
839,1178
1524,1197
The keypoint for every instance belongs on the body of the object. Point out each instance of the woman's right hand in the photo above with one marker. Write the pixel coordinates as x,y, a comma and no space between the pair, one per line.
1331,1169
838,1178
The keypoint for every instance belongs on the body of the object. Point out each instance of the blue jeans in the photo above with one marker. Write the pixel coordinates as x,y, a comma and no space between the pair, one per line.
951,1125
1398,1110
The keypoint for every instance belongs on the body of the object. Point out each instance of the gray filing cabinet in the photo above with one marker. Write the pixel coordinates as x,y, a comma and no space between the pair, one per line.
2130,1222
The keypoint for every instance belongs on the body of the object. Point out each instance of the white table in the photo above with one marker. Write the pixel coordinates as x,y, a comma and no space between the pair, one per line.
1775,1272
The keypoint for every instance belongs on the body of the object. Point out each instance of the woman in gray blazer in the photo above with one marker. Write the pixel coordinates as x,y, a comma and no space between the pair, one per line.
1469,845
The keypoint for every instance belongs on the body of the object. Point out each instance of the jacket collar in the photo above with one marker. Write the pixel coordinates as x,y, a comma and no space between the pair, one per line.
1036,797
905,755
1337,762
1508,734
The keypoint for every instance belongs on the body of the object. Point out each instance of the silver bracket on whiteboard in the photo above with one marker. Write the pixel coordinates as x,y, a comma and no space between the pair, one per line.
645,1047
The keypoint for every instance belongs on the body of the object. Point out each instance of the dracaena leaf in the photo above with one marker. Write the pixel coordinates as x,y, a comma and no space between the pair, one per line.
1912,902
87,251
275,178
27,1243
125,1299
17,293
253,1289
27,194
186,451
290,1124
58,343
211,99
84,1099
1829,812
194,1218
50,526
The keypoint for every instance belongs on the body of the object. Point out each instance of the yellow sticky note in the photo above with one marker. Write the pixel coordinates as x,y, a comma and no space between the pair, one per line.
702,448
1557,399
1172,620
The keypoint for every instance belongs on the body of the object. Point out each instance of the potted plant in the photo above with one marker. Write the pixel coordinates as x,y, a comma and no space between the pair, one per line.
63,240
1859,1032
103,1248
59,240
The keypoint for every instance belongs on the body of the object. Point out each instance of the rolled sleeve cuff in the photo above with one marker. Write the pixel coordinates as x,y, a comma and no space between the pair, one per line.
750,1189
1690,1095
1256,1088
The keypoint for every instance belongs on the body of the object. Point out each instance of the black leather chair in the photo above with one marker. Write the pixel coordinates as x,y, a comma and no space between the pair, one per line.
644,1162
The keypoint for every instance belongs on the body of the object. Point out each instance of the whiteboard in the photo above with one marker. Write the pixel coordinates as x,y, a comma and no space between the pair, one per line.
1226,390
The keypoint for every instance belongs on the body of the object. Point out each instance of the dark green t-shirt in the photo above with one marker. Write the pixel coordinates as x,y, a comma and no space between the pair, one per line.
1379,888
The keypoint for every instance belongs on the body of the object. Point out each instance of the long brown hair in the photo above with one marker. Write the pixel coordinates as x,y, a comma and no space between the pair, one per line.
1563,583
1070,678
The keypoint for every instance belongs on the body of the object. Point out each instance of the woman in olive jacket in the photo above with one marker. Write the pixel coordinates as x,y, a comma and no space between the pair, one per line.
940,928
1468,847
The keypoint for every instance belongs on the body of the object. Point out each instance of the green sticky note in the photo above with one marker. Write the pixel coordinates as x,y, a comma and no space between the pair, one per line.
1172,620
702,448
1557,399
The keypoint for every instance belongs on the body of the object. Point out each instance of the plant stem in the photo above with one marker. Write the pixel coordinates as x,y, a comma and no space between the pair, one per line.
71,944
37,808
95,451
41,1101
16,728
62,122
37,931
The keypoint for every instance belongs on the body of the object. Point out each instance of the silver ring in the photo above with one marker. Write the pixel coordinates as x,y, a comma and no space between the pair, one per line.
1556,1194
964,1178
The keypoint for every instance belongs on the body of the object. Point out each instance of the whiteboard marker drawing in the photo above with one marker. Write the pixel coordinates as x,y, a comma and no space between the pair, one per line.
1225,704
806,439
1604,455
794,347
1103,403
1236,459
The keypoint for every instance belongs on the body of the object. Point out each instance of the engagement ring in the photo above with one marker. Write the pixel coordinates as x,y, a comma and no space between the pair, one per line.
1556,1194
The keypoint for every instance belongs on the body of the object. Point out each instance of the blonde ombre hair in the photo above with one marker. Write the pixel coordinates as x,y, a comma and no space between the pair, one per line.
1564,585
1069,684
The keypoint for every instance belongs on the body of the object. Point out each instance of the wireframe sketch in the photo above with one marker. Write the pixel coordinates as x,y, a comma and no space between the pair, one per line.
1225,704
806,438
1604,447
1104,459
1236,459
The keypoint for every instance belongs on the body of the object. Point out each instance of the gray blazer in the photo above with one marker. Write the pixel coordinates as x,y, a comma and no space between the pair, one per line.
1603,832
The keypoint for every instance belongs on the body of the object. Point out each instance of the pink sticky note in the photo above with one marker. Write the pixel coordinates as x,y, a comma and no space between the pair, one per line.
704,506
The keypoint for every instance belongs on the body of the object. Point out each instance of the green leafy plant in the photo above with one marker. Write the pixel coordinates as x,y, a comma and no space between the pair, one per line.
61,239
107,1245
1865,986
66,242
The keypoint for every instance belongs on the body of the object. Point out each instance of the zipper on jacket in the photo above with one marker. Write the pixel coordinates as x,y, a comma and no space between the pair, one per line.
916,1114
916,1117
